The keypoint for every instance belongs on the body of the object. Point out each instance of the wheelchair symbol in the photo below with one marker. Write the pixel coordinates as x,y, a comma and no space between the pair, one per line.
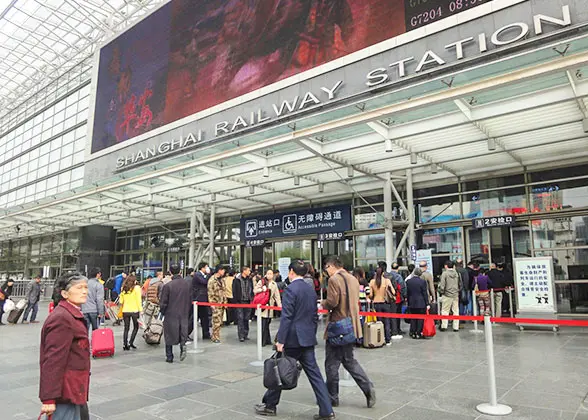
289,223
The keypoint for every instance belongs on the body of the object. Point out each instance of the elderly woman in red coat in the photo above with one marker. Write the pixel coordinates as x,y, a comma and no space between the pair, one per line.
65,354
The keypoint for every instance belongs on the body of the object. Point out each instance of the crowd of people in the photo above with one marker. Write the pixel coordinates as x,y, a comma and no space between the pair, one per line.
80,308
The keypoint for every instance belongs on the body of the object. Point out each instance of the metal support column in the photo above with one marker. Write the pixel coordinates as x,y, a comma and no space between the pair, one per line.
192,251
388,222
211,235
410,209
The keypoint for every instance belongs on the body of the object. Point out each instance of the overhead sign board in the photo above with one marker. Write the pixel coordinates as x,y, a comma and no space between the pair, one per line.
312,221
490,222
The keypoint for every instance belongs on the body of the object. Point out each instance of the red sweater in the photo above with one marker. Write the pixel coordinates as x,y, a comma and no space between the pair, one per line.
65,357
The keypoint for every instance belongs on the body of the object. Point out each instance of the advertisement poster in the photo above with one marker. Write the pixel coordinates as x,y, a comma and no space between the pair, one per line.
425,255
534,284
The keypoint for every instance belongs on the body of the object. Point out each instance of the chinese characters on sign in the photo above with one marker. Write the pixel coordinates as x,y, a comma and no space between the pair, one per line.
534,281
490,222
334,236
249,243
326,220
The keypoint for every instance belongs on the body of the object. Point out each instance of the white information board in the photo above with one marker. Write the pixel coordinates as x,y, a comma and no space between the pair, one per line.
283,264
425,255
534,285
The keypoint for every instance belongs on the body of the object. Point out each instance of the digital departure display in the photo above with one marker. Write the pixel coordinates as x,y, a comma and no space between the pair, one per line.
191,55
422,12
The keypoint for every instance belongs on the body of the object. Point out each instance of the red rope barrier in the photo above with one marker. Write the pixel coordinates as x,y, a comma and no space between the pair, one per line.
526,321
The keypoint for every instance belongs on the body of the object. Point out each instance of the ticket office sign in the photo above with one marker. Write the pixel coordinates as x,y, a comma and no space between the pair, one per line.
534,284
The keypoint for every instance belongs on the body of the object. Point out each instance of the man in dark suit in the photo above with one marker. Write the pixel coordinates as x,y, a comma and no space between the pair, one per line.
175,305
418,301
297,339
200,294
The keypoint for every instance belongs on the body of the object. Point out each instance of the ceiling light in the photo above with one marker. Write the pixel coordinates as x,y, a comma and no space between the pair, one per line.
265,171
413,159
321,188
213,197
491,144
296,180
252,189
350,172
434,169
389,145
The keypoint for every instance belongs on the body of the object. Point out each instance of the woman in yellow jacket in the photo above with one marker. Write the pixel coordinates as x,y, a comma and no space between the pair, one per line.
132,306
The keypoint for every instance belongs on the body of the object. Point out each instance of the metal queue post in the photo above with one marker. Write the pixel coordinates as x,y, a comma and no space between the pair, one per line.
492,408
259,361
509,291
491,304
195,349
475,310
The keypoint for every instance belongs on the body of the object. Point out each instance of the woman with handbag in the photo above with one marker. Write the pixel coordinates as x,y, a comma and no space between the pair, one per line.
65,354
267,286
5,292
131,307
382,294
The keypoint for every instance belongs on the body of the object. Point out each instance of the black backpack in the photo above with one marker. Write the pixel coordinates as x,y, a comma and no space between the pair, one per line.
109,284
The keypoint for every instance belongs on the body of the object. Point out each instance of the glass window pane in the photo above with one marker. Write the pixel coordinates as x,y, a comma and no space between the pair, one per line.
442,240
436,210
293,249
370,247
562,232
495,203
559,196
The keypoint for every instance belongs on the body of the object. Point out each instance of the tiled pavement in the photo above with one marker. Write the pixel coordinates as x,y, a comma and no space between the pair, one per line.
540,374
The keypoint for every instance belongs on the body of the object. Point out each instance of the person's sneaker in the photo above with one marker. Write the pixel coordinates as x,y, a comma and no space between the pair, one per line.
397,337
455,330
442,329
34,322
183,354
25,322
262,410
371,398
389,343
216,341
247,338
319,417
241,340
189,342
169,360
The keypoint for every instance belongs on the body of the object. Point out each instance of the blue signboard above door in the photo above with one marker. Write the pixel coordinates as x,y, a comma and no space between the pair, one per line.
311,221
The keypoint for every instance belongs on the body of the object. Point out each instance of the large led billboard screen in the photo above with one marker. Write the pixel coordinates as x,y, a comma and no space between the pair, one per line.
191,55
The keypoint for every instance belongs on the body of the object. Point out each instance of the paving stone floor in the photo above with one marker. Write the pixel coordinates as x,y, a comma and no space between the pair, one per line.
542,375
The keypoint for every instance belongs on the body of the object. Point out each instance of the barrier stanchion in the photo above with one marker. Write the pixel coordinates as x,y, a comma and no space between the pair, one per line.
475,310
259,361
492,408
195,349
492,303
509,291
346,382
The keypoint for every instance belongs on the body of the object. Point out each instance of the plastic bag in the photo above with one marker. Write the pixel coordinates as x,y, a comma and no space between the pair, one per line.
429,329
9,306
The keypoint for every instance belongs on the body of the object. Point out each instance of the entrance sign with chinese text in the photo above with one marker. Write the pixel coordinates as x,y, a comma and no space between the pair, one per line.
311,221
490,222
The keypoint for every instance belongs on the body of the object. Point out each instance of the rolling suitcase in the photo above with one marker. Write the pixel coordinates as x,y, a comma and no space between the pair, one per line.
373,335
154,331
102,343
15,315
112,312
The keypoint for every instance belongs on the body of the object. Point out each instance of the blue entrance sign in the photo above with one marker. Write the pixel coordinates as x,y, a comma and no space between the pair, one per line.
310,221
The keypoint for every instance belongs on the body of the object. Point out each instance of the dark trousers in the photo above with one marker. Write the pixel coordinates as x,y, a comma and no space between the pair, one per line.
127,317
243,315
416,325
266,338
306,357
335,356
396,321
385,308
91,321
34,307
204,321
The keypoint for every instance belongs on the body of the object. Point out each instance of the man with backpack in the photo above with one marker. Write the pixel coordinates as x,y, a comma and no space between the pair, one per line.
151,309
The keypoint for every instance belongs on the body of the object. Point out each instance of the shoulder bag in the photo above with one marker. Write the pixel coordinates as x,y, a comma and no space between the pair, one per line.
341,333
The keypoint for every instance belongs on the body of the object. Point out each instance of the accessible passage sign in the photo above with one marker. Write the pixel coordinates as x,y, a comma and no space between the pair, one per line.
296,223
534,284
